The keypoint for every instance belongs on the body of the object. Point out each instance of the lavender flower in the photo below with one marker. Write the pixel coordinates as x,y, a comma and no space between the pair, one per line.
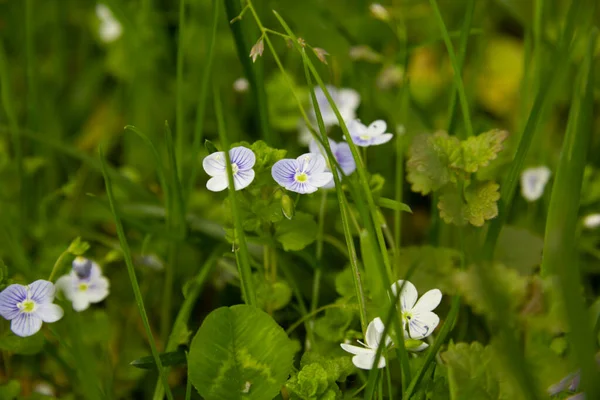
306,174
371,135
242,161
28,306
341,152
84,285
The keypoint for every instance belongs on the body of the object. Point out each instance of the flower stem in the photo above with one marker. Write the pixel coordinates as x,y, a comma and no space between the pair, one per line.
57,264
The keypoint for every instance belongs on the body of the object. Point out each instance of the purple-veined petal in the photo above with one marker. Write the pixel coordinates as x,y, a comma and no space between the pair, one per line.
283,172
26,324
365,361
9,298
356,128
217,183
355,349
311,163
316,148
374,333
429,301
381,139
422,324
49,312
214,164
42,291
243,157
243,178
409,294
376,128
302,187
344,157
98,290
320,179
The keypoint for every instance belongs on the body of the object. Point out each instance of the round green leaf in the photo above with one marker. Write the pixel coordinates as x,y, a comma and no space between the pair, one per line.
239,352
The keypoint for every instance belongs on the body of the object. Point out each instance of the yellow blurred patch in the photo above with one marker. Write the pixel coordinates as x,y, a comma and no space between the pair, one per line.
498,84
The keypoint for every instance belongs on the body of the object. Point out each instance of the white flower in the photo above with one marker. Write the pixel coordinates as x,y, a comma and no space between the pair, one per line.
591,221
44,388
26,307
346,101
242,160
417,315
378,11
533,182
371,135
110,28
241,85
364,357
84,284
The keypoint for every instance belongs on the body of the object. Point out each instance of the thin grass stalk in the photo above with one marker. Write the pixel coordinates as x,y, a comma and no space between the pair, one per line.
549,76
132,277
560,242
462,53
241,253
202,100
181,135
464,104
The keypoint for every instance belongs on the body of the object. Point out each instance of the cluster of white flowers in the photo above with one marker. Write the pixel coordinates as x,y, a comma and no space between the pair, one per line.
418,322
27,307
110,28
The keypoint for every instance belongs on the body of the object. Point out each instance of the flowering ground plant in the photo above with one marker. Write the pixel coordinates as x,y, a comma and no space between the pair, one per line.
324,201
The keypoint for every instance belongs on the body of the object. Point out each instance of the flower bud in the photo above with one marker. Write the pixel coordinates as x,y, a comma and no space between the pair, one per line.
287,206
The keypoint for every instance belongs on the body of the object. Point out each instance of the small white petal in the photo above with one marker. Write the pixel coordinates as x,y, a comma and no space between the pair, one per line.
80,301
592,221
355,349
356,128
214,164
376,128
49,312
242,179
321,179
429,301
420,347
381,139
26,324
423,324
217,183
533,182
409,294
374,332
98,290
365,361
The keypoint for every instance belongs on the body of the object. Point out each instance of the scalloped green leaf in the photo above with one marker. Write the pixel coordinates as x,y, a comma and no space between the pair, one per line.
429,158
477,204
478,151
239,352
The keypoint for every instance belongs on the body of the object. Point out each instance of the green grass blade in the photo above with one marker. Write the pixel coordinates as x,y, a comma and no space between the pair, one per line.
242,256
8,104
253,71
462,52
203,99
560,242
181,134
132,277
551,74
456,65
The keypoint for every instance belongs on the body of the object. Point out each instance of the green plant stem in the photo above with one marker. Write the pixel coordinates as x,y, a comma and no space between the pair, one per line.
464,104
180,136
202,100
132,277
318,272
58,264
242,256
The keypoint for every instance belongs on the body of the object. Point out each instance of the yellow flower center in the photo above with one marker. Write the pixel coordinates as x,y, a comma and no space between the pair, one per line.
301,177
27,306
83,287
364,137
234,168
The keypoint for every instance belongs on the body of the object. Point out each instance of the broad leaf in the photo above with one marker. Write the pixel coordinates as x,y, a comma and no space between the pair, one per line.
478,151
22,345
239,352
297,233
477,205
519,249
